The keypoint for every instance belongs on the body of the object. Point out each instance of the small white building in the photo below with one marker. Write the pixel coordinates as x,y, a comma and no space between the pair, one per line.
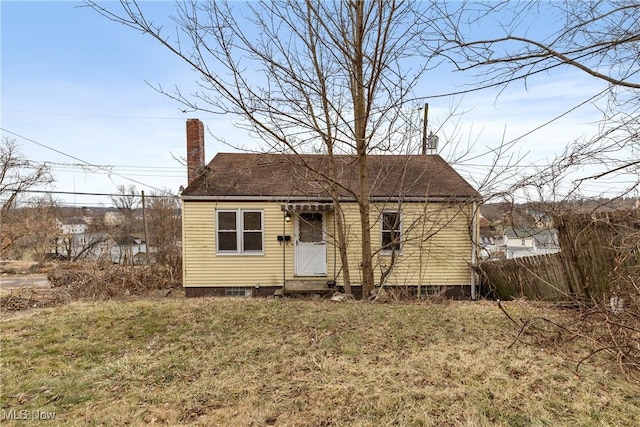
74,225
128,250
521,242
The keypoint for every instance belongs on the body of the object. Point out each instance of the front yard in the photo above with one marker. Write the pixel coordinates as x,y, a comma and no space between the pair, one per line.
299,362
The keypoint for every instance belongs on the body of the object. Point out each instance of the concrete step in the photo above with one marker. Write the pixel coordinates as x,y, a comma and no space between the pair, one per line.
307,287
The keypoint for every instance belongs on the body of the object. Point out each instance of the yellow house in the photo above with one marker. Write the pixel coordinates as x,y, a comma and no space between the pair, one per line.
265,224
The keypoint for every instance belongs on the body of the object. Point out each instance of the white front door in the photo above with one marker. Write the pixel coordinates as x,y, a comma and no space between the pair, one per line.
310,244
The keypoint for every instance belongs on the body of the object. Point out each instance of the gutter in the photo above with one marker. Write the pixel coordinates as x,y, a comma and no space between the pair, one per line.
289,199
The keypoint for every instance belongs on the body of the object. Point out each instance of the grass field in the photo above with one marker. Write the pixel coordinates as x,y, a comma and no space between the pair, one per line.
300,363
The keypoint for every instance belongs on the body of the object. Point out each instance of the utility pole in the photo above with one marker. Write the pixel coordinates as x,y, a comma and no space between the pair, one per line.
424,129
146,229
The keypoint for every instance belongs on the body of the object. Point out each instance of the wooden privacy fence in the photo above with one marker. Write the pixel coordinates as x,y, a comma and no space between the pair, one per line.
596,251
540,277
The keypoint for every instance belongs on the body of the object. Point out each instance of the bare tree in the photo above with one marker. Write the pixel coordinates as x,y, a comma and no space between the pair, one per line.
89,246
127,202
599,38
17,175
33,226
602,40
331,77
164,227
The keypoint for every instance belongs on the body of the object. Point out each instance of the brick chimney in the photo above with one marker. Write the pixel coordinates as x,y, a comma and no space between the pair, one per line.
195,148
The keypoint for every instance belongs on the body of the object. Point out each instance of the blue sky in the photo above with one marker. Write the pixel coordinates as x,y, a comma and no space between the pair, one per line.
75,82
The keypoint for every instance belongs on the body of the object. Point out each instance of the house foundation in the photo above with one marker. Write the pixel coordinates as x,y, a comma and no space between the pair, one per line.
295,288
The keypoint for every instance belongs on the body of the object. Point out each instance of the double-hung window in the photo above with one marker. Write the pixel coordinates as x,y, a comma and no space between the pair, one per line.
391,232
239,231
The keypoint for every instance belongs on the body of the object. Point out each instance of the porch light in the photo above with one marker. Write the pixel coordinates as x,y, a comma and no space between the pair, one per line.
287,216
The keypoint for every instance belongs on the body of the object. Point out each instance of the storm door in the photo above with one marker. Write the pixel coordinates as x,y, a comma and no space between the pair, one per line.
310,244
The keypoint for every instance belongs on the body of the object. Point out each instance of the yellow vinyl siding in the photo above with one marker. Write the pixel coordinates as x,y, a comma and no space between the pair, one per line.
436,246
203,267
446,247
441,259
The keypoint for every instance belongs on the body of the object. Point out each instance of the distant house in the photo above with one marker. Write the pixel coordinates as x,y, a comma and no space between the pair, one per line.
521,242
487,239
486,229
541,219
83,246
72,225
113,217
75,244
258,224
128,250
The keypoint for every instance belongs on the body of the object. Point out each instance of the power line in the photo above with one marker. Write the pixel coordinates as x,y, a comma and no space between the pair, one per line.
78,168
78,193
80,165
81,160
130,174
129,170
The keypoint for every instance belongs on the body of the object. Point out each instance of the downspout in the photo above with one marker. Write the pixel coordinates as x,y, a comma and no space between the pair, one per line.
474,240
284,250
335,273
421,271
183,248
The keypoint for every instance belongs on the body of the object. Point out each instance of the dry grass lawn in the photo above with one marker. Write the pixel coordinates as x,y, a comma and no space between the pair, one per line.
299,363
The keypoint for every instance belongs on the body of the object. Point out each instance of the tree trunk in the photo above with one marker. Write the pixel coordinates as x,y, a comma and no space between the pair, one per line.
359,93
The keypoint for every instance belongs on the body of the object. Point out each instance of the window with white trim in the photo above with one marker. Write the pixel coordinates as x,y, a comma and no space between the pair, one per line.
239,231
391,232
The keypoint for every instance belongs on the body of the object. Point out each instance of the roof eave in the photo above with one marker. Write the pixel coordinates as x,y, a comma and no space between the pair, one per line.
375,199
